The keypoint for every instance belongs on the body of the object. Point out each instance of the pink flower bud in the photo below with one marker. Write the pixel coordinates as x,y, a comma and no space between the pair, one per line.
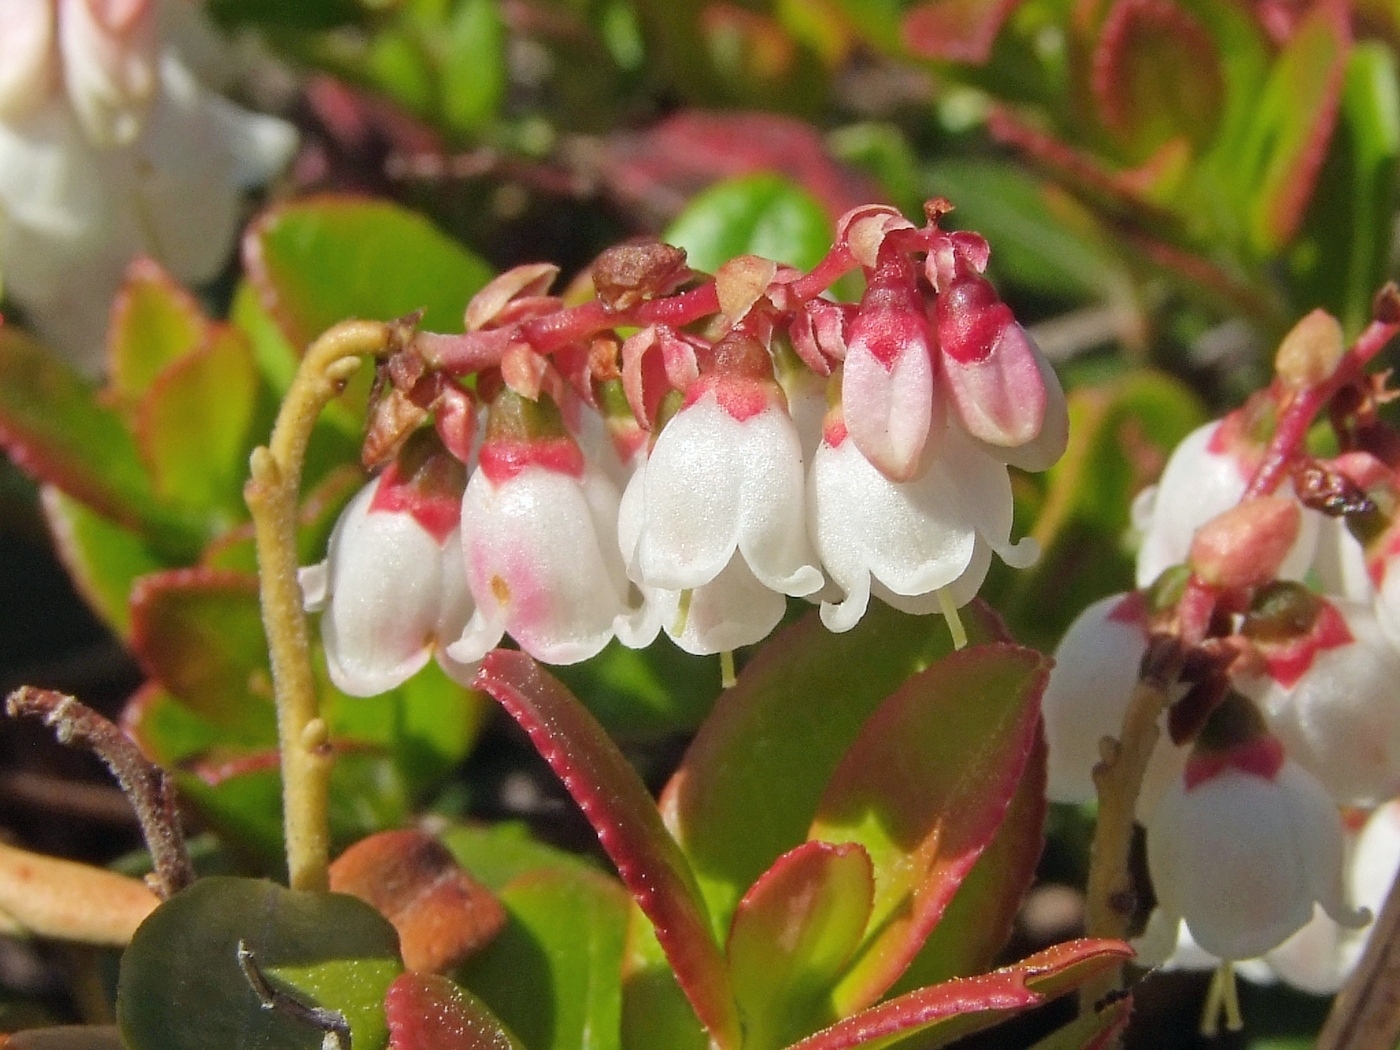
1247,544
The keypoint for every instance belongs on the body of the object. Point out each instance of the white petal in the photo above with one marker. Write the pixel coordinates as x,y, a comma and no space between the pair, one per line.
890,413
27,66
110,77
732,610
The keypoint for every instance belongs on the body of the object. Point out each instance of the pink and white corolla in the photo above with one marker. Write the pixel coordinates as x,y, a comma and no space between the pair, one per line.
539,535
1240,848
725,476
392,591
109,148
905,542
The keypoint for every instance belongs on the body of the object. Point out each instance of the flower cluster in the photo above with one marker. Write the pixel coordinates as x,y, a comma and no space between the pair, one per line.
110,147
685,454
1267,568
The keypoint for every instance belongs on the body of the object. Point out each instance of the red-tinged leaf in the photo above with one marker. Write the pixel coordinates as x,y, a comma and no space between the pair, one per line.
792,934
959,1007
103,558
750,783
978,921
154,322
1292,126
924,789
629,828
199,633
316,261
428,1012
1156,77
660,169
1100,1029
956,30
194,425
55,429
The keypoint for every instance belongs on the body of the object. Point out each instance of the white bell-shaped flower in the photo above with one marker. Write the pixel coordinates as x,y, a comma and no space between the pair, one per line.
392,591
726,475
539,532
1241,847
908,539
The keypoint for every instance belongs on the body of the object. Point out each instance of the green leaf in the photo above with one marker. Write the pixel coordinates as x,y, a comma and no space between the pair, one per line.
1095,1030
181,987
320,261
154,321
924,789
195,428
473,66
793,934
55,429
756,215
553,974
429,1012
103,558
750,783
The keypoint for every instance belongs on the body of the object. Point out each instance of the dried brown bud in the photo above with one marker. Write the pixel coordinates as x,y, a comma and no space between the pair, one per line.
626,275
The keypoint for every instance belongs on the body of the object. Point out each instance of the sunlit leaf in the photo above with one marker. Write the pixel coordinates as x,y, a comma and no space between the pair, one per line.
429,1012
154,322
757,215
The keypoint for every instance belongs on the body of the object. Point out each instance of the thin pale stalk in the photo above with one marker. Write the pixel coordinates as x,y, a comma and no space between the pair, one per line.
272,494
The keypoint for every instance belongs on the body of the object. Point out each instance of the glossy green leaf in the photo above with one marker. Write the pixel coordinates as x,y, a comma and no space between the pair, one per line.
924,789
950,1011
495,854
181,987
617,804
756,215
553,973
54,428
319,261
195,422
473,66
793,934
749,785
428,1012
103,558
199,632
154,322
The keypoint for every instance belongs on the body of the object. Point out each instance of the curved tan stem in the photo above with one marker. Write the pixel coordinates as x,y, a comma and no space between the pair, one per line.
272,494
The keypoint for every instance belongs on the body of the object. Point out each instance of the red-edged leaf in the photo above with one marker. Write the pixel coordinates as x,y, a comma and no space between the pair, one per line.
199,632
1098,1030
54,428
750,783
956,1008
1293,123
924,789
428,1012
956,30
978,921
629,828
154,322
792,934
194,424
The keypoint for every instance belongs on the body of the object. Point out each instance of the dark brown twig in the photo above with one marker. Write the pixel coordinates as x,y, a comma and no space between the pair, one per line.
331,1023
146,786
1366,1013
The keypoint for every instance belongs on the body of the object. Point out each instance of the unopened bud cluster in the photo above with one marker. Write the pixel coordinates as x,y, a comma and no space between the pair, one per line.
684,454
1284,722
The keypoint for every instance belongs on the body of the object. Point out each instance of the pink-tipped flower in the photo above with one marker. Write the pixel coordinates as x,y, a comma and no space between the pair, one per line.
887,386
905,541
392,591
726,475
539,528
1241,847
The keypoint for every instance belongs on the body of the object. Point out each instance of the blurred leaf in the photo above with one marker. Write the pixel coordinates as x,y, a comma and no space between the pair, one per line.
473,66
154,321
56,430
644,693
924,788
793,934
883,151
318,261
1096,1030
316,517
950,1011
750,783
758,215
617,804
103,558
194,425
553,973
429,1012
181,987
277,14
955,30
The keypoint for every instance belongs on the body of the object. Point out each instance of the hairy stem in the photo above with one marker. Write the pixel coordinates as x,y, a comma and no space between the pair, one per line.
272,494
144,783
